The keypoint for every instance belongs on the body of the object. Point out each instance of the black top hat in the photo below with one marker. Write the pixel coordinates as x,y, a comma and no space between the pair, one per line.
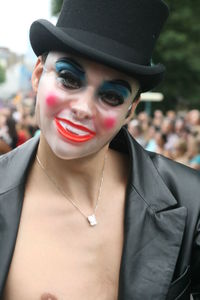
118,33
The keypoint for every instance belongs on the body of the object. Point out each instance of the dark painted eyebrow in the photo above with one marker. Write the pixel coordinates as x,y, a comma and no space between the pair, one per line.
123,83
73,62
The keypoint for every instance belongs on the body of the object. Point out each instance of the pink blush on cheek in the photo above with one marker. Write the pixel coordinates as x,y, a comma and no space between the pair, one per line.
109,122
51,100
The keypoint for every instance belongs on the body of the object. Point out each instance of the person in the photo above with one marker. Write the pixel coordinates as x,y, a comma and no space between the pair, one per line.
194,152
135,129
8,133
168,129
85,211
161,139
180,153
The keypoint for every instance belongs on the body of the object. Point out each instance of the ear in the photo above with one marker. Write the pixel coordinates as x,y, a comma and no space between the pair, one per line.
131,111
37,72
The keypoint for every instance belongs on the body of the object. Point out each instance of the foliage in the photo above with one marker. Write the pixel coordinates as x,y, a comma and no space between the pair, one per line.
56,6
178,48
2,74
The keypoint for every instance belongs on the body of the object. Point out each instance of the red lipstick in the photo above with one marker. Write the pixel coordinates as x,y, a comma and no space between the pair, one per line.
73,132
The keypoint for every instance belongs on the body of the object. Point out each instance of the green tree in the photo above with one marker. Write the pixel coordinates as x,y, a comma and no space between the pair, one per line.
56,6
2,74
178,48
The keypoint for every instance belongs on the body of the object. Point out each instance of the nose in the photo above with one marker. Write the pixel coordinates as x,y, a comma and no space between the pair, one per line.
82,107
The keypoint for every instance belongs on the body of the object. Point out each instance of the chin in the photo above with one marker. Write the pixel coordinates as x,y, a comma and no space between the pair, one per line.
71,152
67,150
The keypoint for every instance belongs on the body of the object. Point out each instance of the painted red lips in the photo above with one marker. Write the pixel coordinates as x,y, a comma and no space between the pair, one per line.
73,132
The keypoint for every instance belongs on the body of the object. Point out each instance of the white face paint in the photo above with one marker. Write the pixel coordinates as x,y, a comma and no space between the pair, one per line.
81,105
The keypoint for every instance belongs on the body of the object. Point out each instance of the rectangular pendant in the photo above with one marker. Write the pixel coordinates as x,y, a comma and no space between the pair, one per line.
92,220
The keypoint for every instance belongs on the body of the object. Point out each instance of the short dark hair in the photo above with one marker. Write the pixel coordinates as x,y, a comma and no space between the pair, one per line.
44,56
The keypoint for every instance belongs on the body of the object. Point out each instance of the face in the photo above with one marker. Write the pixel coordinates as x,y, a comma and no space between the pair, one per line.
81,105
159,139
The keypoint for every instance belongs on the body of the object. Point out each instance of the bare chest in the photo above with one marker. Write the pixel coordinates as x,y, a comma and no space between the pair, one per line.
58,256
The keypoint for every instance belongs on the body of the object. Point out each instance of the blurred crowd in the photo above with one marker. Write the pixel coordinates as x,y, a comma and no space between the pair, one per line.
17,123
174,135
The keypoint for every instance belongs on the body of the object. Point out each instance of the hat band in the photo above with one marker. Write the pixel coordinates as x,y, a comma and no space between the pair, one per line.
107,46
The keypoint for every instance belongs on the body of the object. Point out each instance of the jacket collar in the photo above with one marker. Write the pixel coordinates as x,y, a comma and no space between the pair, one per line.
153,225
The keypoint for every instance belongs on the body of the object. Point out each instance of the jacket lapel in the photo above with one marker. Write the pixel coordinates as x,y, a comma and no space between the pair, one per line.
10,210
153,233
13,169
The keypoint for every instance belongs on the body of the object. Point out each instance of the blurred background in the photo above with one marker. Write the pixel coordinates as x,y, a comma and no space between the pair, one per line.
167,120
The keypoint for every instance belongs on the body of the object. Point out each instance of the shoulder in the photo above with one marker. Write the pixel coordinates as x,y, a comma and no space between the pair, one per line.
169,168
183,181
15,164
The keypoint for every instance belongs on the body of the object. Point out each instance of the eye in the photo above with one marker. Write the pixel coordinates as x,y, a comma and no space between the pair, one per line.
69,80
111,98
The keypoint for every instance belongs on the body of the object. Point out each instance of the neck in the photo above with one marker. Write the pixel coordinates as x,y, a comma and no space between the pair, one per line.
79,178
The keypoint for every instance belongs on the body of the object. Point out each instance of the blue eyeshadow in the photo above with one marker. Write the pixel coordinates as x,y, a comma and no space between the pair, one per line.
65,64
112,86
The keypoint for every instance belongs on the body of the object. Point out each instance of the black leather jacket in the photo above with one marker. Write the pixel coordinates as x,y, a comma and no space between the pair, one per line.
161,253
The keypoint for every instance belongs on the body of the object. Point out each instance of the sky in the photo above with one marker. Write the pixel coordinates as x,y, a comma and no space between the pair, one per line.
16,17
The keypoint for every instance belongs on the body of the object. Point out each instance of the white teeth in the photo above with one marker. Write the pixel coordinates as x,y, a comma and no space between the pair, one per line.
73,129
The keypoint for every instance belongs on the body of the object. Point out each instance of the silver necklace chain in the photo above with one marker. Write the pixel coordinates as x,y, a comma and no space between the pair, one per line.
91,218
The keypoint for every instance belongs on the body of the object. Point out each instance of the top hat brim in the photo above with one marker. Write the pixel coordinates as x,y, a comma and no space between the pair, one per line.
45,37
